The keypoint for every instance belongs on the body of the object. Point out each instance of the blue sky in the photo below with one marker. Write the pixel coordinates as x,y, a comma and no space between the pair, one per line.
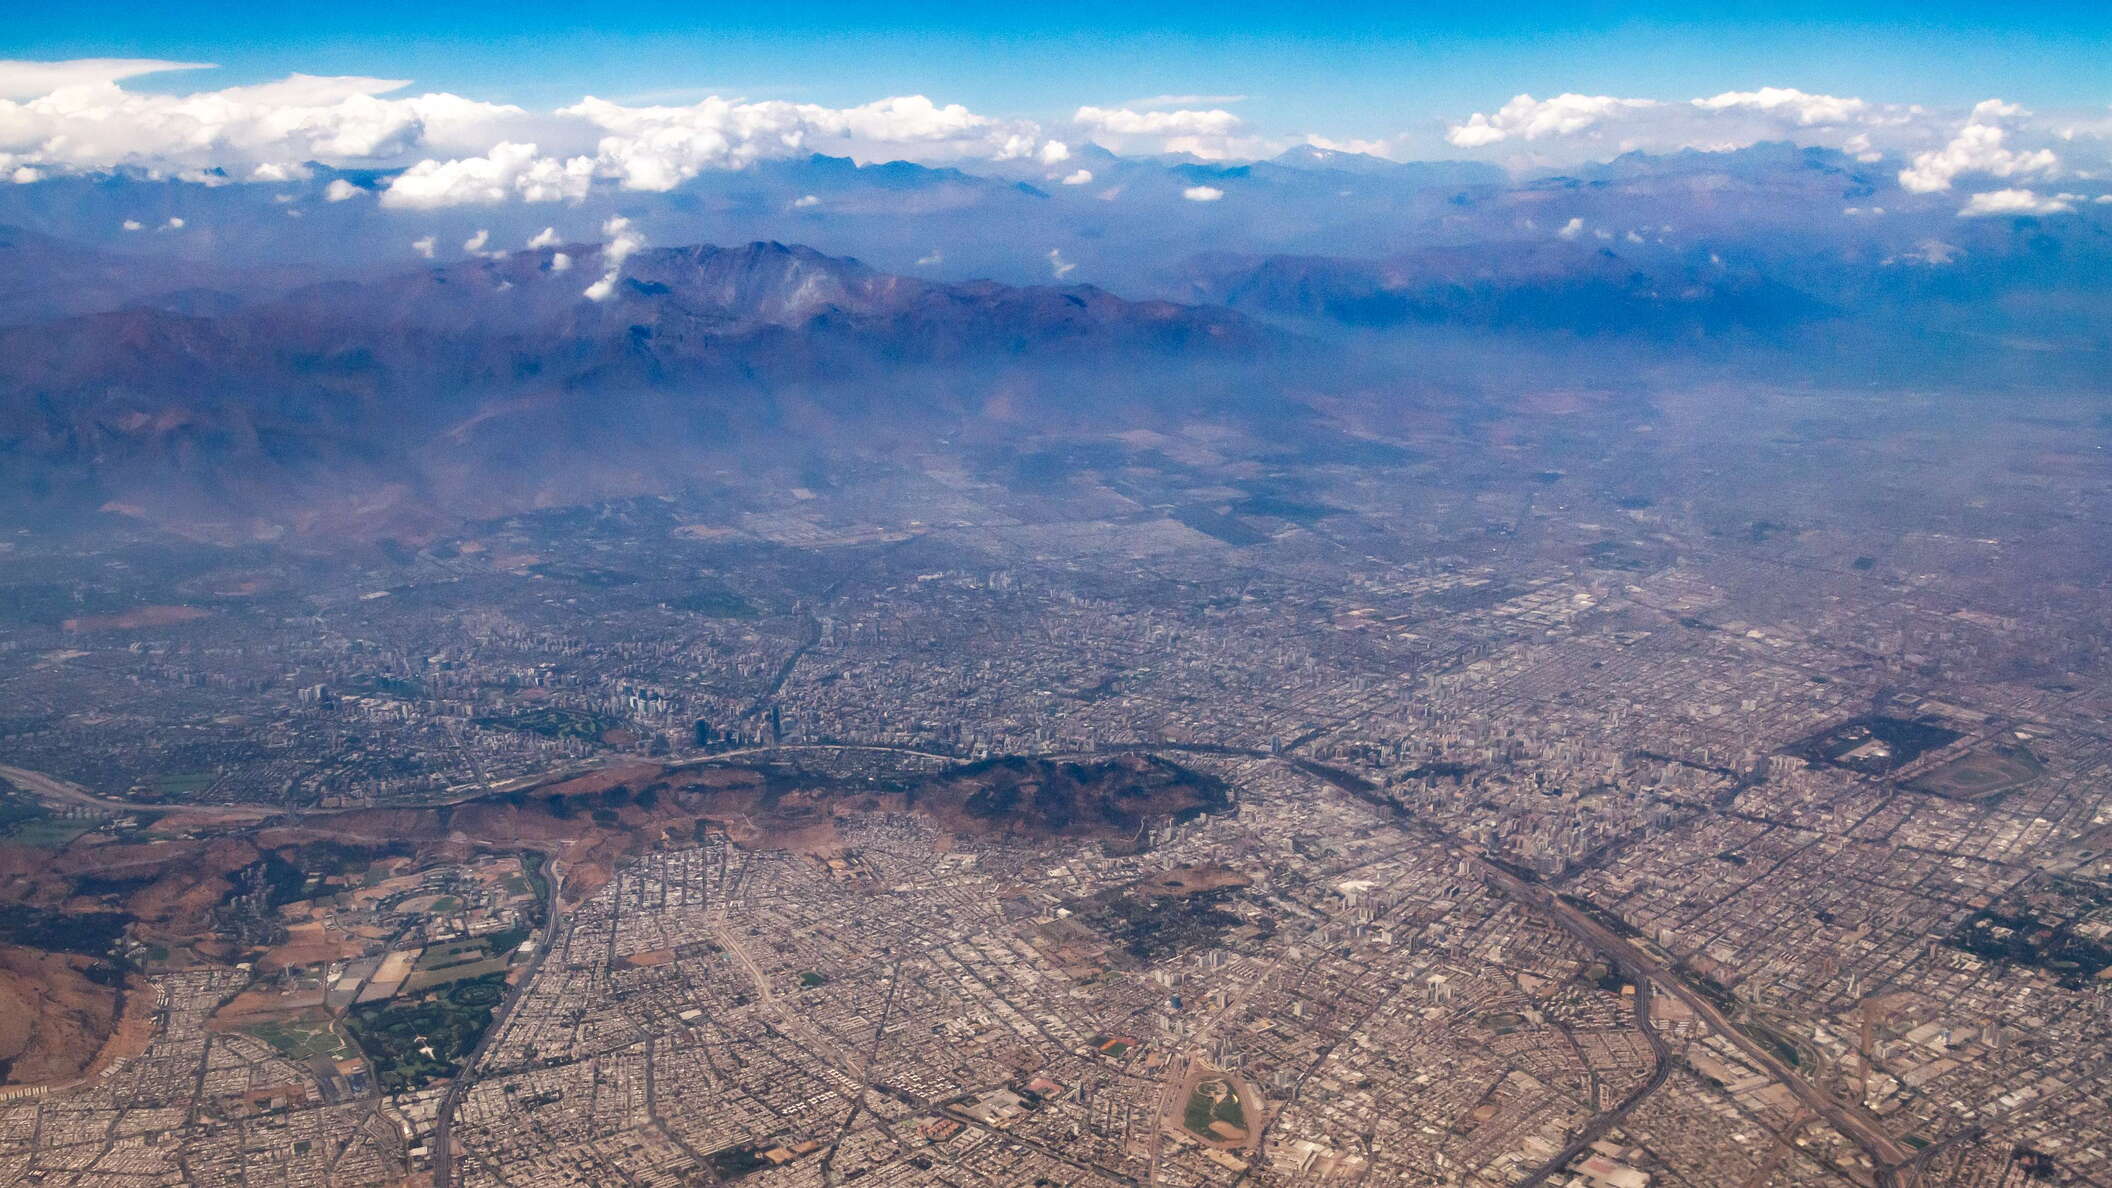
1355,68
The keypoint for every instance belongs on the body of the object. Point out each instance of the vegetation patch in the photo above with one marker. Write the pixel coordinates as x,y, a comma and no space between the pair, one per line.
416,1040
300,1040
90,934
2054,925
1876,745
1213,1109
551,722
715,602
1152,928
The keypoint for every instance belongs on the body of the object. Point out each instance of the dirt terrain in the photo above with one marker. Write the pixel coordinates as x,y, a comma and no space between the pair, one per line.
183,892
57,1023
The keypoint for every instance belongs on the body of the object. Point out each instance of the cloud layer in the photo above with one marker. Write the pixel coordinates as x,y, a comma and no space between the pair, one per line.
1995,139
440,150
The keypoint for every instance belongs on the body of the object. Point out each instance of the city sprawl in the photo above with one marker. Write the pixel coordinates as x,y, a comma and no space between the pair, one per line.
1704,790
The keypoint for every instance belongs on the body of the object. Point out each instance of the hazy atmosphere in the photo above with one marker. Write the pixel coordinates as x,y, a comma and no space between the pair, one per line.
1085,595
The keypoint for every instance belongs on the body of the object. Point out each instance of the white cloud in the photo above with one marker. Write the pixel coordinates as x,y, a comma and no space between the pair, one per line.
658,148
94,124
1571,128
1210,133
1977,148
1374,148
1803,110
560,262
1121,121
475,243
1571,229
806,202
1058,266
279,171
174,224
133,224
547,237
424,246
936,257
339,189
1527,118
2016,202
1078,177
1202,193
77,116
623,240
508,171
27,80
73,116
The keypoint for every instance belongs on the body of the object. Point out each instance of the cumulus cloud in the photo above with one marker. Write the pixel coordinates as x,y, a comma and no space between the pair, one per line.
508,171
1571,229
77,116
458,151
806,201
560,262
2016,202
623,240
265,131
132,224
1797,107
658,148
1058,266
475,243
1122,121
1979,147
1572,128
339,190
1211,133
1527,118
1202,193
424,246
934,258
547,237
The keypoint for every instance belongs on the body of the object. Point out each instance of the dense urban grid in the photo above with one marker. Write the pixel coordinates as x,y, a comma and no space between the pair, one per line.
1702,790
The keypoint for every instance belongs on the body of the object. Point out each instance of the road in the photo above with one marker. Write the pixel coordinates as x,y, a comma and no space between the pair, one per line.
1896,1166
1596,1129
1892,1161
1856,1123
51,788
766,997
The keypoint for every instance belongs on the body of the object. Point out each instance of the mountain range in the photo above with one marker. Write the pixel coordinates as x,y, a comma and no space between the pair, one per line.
300,355
483,382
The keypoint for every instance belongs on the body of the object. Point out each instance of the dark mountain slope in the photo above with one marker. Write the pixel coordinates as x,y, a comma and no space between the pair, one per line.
494,380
